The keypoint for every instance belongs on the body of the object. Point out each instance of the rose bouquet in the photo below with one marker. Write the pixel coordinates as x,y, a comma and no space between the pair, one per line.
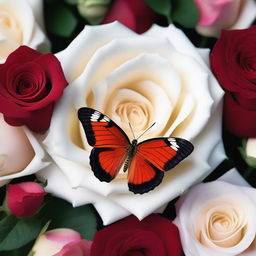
127,128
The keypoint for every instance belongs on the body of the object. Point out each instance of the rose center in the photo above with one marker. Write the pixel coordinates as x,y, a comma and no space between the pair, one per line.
27,83
135,113
24,87
247,61
6,21
224,227
135,253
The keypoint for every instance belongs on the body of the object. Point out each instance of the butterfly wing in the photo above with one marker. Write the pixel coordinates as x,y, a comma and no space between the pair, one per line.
108,140
152,158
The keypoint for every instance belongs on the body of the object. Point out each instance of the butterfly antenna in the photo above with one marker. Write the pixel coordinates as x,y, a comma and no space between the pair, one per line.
147,130
132,130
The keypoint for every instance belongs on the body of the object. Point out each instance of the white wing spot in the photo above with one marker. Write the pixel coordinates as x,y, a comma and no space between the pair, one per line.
175,144
105,119
95,116
173,147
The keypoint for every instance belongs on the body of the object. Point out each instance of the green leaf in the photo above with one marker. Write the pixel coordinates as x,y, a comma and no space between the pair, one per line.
162,7
45,227
185,12
62,214
19,232
62,21
19,252
6,225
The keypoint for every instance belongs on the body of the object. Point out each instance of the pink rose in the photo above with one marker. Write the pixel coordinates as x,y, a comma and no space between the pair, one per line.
61,242
77,248
24,199
224,14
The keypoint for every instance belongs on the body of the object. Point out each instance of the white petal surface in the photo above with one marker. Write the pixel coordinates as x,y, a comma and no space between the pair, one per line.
219,198
37,163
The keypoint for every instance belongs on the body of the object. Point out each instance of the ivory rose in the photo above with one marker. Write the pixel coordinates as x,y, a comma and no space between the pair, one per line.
18,26
217,218
224,14
20,153
154,77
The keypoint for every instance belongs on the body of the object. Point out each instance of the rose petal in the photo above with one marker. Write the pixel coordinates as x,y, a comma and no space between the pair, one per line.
164,88
214,192
92,41
37,163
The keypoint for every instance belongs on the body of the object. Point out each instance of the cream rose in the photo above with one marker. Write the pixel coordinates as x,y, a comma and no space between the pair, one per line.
18,26
218,218
20,153
224,14
155,77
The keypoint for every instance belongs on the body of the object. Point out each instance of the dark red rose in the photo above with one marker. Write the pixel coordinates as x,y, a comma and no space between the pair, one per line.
134,14
152,236
233,61
24,199
30,83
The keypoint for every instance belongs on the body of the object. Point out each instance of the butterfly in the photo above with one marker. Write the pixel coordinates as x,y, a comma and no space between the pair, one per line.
145,161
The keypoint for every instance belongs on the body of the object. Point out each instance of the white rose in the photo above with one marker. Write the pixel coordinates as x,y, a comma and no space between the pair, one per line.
18,26
20,153
218,218
156,77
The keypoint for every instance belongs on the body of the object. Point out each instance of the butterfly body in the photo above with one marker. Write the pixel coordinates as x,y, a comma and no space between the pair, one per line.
112,150
131,151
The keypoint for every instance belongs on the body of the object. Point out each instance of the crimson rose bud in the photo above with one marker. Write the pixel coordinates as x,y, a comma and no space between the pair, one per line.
152,236
134,14
30,83
233,62
24,199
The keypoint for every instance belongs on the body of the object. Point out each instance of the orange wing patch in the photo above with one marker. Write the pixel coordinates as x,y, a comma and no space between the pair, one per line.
106,162
165,153
108,136
143,176
156,151
100,130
